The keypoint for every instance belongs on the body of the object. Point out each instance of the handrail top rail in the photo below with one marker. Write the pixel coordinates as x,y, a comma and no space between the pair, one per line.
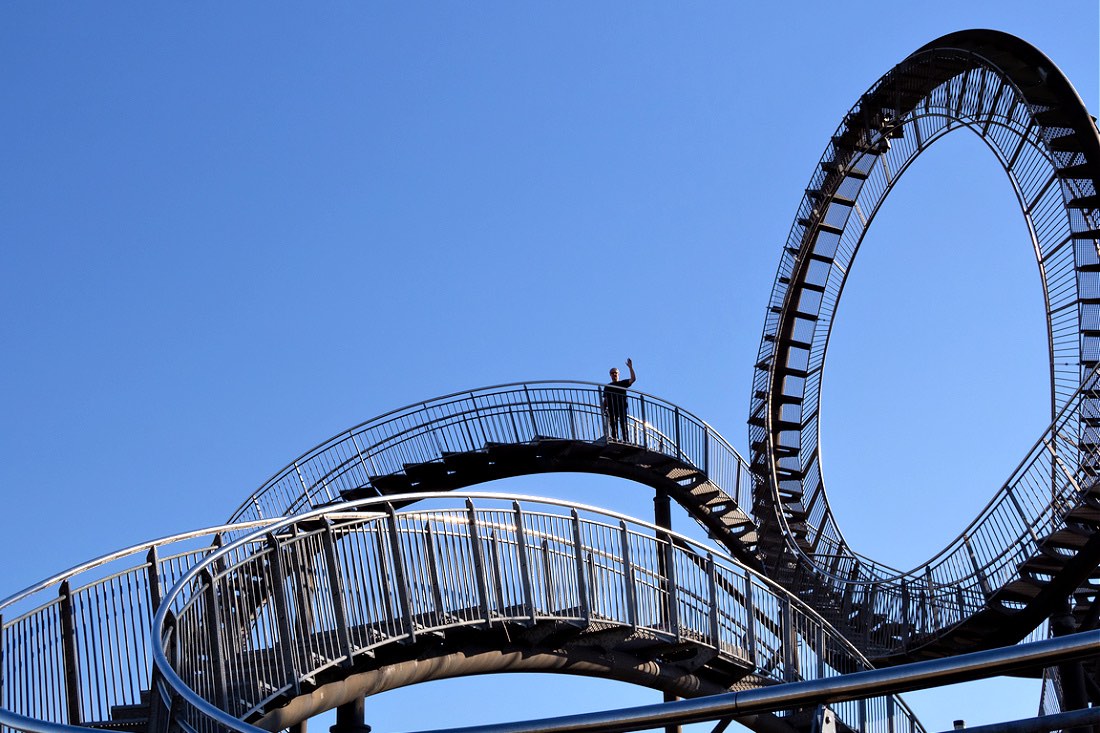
131,550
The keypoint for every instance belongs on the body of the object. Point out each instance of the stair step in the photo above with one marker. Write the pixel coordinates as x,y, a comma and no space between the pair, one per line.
821,226
1084,514
1054,117
424,472
1068,538
1083,170
1018,590
1088,234
832,168
818,195
1044,564
1066,144
390,483
1085,202
464,461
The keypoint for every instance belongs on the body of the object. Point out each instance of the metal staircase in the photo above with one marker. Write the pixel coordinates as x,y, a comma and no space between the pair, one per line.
357,569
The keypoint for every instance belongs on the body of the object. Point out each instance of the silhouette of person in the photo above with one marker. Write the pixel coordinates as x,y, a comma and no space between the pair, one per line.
614,402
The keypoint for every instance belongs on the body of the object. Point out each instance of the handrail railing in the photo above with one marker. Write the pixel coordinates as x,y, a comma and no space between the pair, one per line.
76,645
470,420
327,588
1051,480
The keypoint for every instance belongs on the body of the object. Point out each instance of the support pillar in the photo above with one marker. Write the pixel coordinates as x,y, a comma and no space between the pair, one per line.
350,718
1071,674
662,517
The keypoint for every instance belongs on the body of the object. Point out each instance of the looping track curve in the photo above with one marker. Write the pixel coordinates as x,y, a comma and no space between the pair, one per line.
1019,103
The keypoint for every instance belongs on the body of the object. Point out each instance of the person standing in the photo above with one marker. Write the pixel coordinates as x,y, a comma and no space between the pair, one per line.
614,402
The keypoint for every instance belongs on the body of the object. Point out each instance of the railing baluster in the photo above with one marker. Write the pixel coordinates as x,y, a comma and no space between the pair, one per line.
433,572
399,571
750,617
498,575
578,554
336,594
524,563
712,589
628,576
214,641
282,613
479,563
68,655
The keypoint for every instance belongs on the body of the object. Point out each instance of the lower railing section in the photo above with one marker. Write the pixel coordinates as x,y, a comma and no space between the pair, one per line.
311,598
74,649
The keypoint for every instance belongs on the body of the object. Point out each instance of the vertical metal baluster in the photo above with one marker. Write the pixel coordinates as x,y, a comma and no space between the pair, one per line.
68,655
673,589
712,588
750,611
3,657
531,412
548,581
154,580
645,423
479,563
676,418
524,563
578,555
282,613
384,577
593,585
786,633
628,576
213,638
336,589
433,571
399,571
498,576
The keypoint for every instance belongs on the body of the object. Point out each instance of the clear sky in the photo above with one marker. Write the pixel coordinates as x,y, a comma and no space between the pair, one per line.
233,230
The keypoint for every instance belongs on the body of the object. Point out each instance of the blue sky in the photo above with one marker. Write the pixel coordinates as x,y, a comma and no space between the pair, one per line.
231,231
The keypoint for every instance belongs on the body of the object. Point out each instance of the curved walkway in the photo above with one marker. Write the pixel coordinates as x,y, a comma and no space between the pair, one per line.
340,593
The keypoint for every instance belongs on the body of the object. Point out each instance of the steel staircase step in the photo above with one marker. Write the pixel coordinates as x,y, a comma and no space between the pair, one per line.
1086,515
1086,235
465,461
818,195
832,168
391,483
822,226
1066,144
1081,171
1069,538
1043,564
427,472
1085,202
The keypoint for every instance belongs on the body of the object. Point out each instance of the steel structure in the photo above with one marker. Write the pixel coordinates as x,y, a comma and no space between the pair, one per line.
352,570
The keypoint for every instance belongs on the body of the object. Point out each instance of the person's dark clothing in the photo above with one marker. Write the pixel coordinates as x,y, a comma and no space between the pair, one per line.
614,395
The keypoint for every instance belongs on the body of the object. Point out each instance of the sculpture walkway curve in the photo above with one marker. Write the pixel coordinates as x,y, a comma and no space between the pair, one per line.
1037,543
320,609
355,569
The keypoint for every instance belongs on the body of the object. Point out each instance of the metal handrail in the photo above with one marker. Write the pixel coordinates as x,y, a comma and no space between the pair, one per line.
74,645
373,581
468,420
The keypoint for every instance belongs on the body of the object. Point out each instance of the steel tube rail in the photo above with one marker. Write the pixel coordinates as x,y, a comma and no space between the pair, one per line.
1041,724
570,568
858,685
